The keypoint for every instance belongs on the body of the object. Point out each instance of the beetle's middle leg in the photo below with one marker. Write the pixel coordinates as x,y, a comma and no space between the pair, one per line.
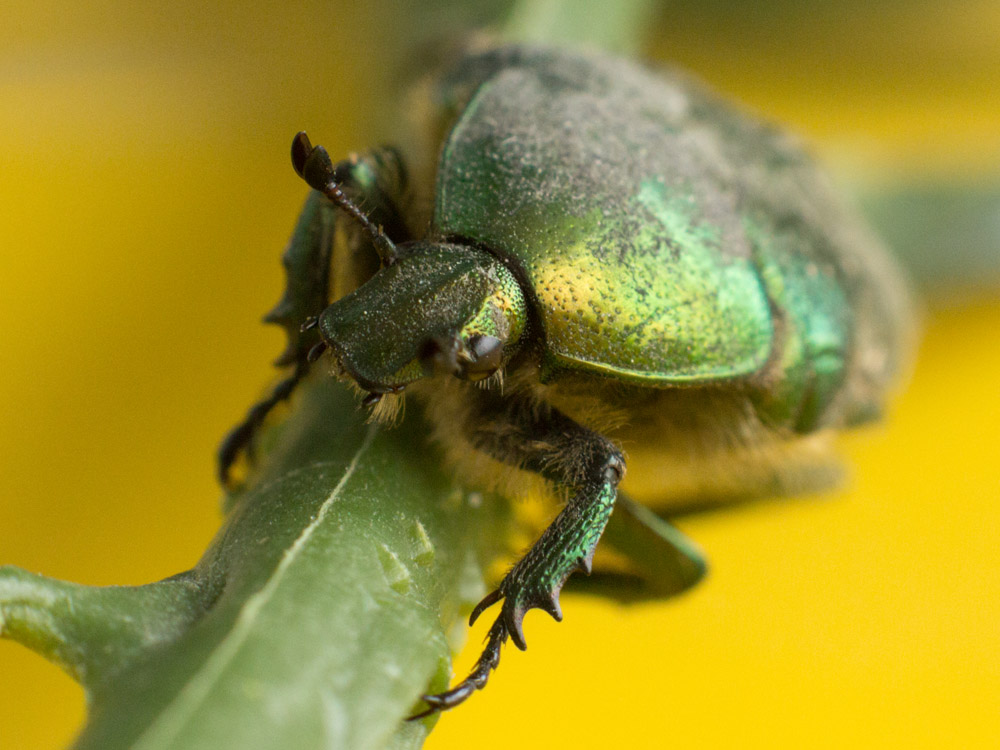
589,466
376,183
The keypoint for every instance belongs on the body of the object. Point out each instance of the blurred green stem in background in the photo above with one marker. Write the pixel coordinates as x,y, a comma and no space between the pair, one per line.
947,234
619,27
316,618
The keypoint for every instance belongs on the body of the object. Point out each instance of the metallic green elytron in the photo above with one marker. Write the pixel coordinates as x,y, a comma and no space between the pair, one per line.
599,260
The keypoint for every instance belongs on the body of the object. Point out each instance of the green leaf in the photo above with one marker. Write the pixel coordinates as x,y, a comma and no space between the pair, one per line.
317,618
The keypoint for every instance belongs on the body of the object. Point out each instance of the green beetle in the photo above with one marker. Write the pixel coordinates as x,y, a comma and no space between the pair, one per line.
601,258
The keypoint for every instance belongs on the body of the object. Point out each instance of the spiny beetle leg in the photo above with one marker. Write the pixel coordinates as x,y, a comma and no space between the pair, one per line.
539,439
565,547
240,438
475,681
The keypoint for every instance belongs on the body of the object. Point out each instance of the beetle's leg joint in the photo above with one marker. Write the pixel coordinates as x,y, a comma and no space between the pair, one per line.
614,468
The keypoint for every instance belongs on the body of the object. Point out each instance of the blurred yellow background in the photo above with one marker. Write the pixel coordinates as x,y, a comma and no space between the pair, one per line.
145,194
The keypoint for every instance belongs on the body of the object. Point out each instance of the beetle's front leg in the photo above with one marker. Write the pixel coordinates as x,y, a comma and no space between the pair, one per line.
377,181
566,546
545,441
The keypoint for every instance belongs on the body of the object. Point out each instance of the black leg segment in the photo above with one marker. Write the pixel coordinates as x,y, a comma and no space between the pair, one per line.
376,182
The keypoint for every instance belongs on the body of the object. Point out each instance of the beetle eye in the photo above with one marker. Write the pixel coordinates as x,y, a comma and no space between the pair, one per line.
487,355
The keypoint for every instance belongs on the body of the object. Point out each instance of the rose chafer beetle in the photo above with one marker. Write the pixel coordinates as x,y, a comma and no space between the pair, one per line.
600,258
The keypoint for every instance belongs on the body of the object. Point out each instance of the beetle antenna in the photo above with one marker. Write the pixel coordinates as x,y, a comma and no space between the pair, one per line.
313,164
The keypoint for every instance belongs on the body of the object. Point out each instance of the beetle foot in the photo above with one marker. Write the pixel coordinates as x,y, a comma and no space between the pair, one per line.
475,681
518,599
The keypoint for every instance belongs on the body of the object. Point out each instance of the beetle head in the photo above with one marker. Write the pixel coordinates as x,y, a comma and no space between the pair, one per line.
438,309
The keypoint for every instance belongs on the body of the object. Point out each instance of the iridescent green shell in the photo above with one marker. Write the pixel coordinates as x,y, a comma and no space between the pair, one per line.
666,238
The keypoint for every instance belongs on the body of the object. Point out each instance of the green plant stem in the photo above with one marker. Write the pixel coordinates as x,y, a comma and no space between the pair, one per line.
317,618
612,26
